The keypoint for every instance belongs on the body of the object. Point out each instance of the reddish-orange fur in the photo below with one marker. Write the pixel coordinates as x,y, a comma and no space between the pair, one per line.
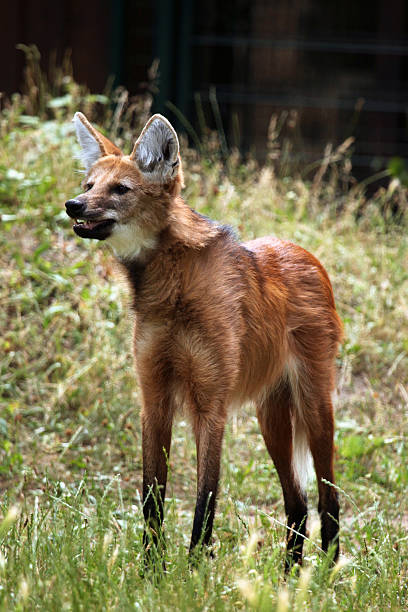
219,323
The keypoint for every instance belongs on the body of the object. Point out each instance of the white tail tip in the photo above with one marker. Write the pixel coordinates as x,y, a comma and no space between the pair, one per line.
302,458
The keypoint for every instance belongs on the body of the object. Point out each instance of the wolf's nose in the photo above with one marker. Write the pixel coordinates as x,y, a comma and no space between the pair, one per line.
74,207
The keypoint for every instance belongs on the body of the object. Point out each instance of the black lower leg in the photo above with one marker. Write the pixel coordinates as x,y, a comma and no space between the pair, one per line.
153,500
297,518
329,517
203,519
322,446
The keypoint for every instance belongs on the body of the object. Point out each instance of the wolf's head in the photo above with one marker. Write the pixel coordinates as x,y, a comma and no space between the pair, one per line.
127,198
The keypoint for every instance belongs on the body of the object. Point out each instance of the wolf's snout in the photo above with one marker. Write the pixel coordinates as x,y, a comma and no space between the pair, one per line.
74,208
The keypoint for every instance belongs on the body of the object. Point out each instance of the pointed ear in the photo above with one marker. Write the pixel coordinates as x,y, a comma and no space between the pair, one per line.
156,151
93,144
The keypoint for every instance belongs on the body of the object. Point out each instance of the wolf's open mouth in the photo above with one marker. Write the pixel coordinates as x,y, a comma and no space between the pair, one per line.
89,224
93,228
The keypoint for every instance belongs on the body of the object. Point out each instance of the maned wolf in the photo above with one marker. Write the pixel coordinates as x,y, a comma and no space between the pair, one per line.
218,323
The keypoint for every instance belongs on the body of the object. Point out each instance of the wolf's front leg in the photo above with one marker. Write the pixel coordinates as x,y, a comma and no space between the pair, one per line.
156,432
209,432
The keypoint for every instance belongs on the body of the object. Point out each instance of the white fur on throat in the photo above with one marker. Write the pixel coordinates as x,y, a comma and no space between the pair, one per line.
129,241
90,149
156,150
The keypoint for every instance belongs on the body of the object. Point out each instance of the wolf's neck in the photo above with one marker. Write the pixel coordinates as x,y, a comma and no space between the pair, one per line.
185,227
155,276
188,228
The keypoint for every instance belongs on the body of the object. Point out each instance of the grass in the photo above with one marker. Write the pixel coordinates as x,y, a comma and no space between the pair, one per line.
70,441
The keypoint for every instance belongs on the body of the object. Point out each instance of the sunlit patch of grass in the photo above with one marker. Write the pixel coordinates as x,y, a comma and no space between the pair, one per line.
70,441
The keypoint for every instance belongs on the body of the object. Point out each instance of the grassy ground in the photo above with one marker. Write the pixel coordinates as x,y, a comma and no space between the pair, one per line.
70,443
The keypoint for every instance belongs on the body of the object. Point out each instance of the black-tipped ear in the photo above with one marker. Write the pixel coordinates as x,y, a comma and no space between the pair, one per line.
156,151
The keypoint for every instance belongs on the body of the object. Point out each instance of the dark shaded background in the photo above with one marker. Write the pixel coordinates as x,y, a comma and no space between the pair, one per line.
342,66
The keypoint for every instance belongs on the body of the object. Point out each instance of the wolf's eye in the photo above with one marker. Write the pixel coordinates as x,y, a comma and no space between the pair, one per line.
120,189
88,186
